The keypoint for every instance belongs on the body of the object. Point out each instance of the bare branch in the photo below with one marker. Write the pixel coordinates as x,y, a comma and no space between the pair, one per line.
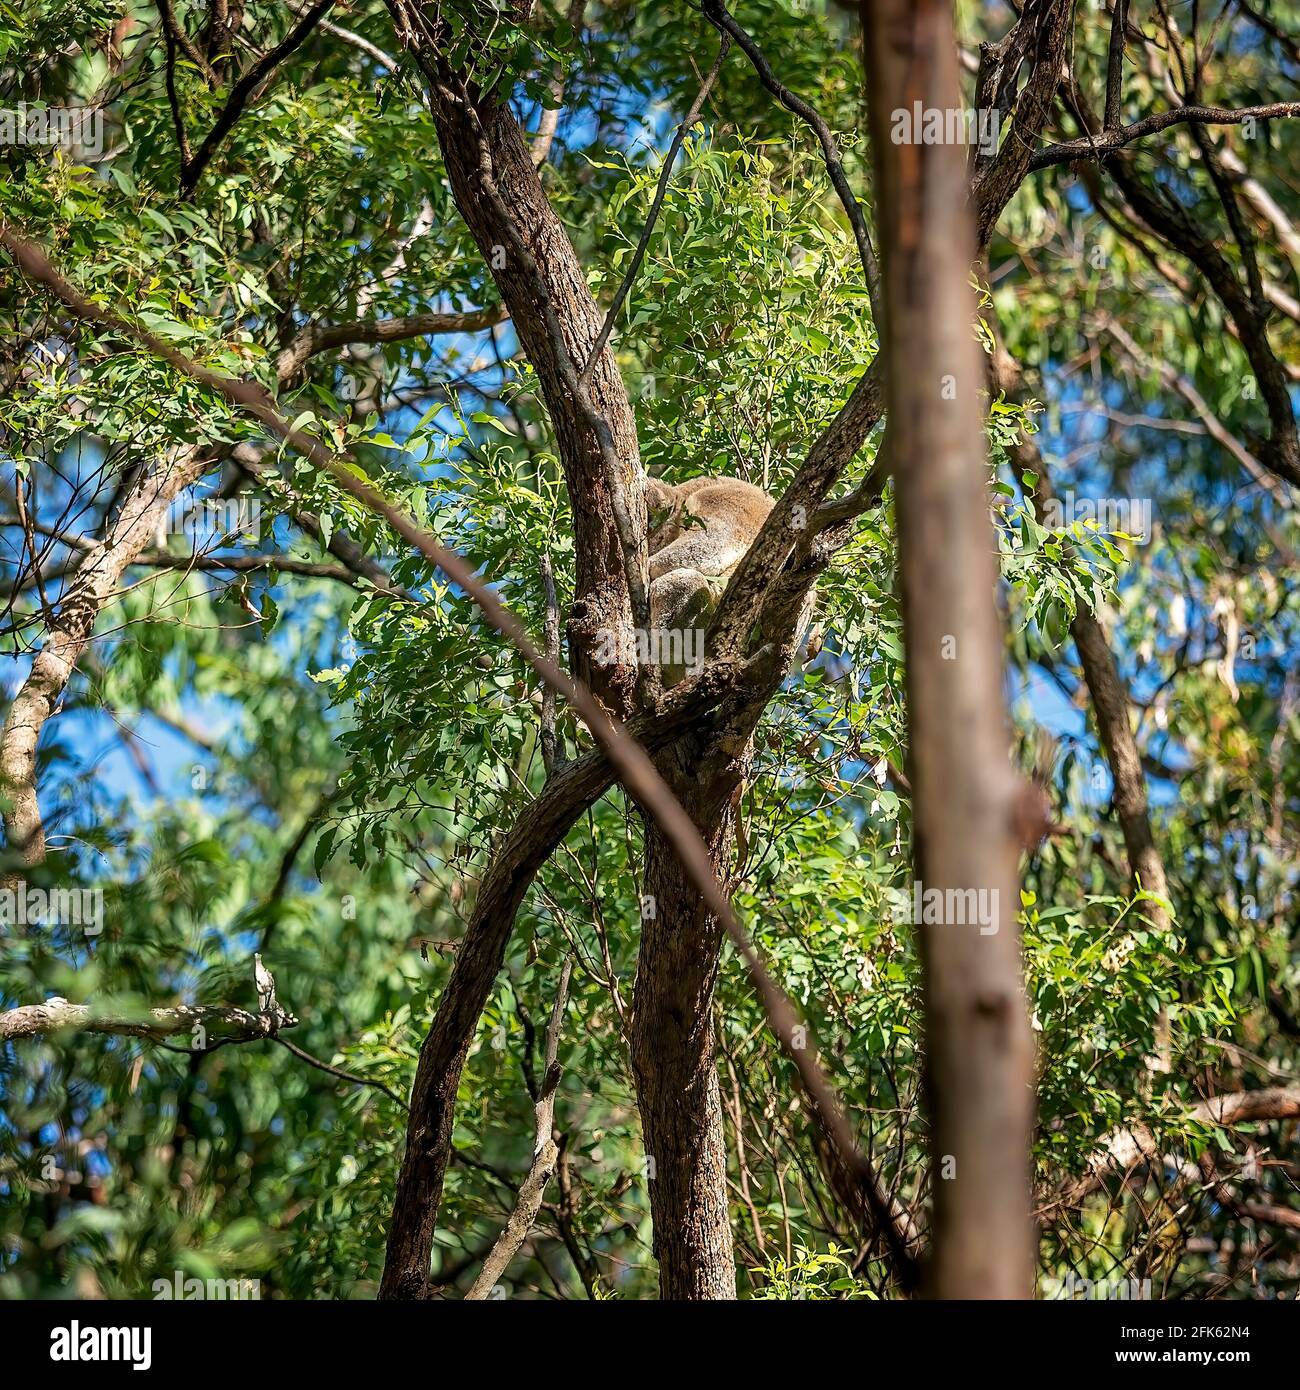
549,122
1215,427
1108,141
242,91
661,190
230,1024
720,17
350,1077
545,1155
94,581
172,27
241,564
1127,1147
316,338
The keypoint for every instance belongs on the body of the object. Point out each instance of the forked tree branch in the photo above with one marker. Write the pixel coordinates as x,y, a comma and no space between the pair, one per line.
1105,142
545,1154
628,758
243,90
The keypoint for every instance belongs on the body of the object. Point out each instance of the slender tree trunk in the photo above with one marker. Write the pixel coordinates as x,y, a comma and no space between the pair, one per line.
91,586
1110,698
673,1045
966,797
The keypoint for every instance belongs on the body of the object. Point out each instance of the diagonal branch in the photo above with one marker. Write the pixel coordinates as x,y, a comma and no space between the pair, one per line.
410,1238
1042,33
94,580
545,1155
1215,428
542,282
661,190
721,18
242,91
1125,1148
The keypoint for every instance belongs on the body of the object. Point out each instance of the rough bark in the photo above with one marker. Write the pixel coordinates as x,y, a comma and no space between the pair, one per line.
556,318
1041,38
478,961
979,1057
1111,705
673,1044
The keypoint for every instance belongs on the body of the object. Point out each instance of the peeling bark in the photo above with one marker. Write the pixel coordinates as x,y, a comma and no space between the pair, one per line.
92,584
59,1016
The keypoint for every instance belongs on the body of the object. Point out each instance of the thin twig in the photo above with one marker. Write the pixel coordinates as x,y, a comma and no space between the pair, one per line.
665,175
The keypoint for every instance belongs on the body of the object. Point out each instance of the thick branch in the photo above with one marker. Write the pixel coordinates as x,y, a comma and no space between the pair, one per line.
543,284
229,1024
316,338
1043,31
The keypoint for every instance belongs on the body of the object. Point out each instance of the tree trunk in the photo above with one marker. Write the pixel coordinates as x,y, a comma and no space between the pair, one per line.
673,1043
437,1076
90,587
966,799
548,301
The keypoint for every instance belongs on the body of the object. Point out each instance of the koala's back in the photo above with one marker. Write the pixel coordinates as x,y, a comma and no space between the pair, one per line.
710,524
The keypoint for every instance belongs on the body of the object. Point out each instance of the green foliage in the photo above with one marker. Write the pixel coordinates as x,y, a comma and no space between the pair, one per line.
331,765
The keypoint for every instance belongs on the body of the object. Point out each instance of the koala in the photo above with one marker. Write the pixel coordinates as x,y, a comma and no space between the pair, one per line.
700,531
704,527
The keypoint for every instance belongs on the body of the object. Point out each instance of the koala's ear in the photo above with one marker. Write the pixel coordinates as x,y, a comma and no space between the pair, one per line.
658,496
660,504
